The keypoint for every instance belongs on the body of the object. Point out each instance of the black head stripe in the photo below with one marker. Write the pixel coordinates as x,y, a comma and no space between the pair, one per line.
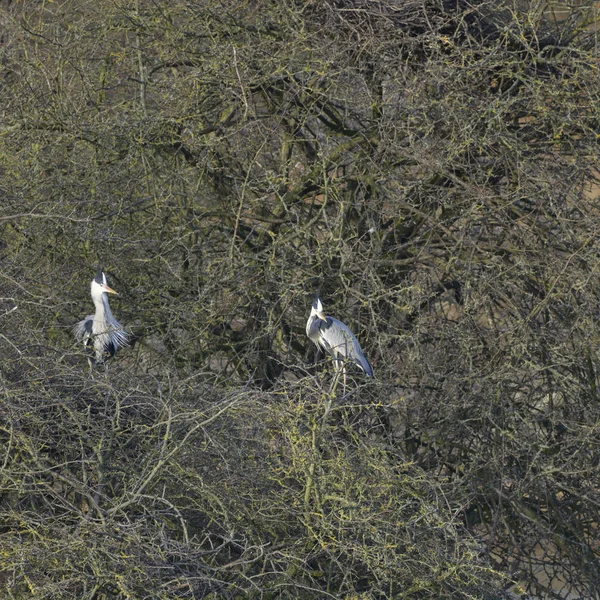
99,279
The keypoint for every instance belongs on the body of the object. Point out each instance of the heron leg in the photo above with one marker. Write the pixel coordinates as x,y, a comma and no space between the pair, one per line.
340,365
89,351
336,379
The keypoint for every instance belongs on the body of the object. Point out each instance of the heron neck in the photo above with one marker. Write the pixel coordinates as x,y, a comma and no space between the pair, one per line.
102,307
312,326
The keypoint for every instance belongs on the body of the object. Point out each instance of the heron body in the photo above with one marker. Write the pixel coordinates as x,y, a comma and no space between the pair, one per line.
101,332
335,338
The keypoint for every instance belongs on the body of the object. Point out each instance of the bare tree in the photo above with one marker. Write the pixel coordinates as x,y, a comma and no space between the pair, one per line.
430,168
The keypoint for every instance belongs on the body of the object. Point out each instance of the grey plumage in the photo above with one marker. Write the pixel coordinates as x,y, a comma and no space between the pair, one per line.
335,338
101,332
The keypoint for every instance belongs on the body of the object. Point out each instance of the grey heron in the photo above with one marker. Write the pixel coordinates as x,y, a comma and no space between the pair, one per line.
335,338
101,332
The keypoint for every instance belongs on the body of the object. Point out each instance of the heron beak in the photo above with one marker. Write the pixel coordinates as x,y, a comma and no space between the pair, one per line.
322,316
109,290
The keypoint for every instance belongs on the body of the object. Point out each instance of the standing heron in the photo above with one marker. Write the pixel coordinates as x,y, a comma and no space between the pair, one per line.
101,332
336,339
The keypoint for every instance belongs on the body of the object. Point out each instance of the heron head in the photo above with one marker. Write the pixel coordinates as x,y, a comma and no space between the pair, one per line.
317,309
99,284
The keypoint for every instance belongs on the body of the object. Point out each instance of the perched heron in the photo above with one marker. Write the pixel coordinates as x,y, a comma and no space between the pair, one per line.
335,338
101,332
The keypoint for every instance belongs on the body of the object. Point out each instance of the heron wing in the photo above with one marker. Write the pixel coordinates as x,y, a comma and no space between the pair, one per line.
118,336
102,337
337,339
83,329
